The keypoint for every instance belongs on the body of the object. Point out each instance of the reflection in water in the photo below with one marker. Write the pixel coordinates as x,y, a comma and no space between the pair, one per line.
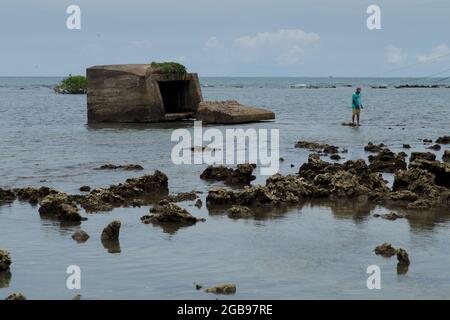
140,126
113,246
357,210
5,279
261,212
402,269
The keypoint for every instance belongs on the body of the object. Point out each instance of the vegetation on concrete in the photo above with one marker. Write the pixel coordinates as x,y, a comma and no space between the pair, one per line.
168,67
72,85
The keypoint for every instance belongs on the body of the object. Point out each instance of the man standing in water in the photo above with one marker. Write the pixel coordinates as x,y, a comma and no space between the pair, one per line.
356,106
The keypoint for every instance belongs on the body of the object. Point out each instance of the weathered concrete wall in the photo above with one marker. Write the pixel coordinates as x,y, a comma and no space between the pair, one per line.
131,93
231,112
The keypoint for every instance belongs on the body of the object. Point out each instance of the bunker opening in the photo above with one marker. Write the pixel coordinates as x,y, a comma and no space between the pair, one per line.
175,96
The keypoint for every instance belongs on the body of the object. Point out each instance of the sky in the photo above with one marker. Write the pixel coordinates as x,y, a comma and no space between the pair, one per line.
279,38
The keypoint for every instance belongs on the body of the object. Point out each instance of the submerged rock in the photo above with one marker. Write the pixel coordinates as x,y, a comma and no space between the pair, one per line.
324,148
5,279
385,250
111,231
5,260
80,236
443,140
239,212
16,296
387,161
335,157
167,212
227,288
59,206
243,174
85,188
406,146
390,216
126,167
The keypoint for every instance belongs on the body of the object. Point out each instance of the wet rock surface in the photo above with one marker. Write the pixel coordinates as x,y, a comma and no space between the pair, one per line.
422,155
385,250
80,236
371,147
112,231
126,167
402,257
227,288
59,206
5,279
443,140
145,189
406,146
243,174
446,156
85,188
319,147
34,195
435,147
166,212
387,161
392,216
7,195
198,203
182,196
5,260
16,296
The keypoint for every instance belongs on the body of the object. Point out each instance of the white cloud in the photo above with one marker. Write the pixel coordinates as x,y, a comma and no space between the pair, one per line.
285,46
212,44
396,55
437,53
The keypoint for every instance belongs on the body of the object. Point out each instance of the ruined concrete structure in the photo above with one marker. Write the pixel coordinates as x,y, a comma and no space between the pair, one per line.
137,93
142,93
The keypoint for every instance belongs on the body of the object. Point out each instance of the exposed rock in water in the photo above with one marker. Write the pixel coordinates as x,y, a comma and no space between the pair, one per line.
7,195
198,203
402,257
324,148
435,147
406,146
385,250
124,194
420,185
228,288
441,170
5,260
80,236
182,196
243,174
59,206
443,140
370,147
335,157
77,297
316,179
16,296
446,156
85,188
227,112
34,195
425,141
111,231
422,155
387,161
238,212
5,279
166,212
126,167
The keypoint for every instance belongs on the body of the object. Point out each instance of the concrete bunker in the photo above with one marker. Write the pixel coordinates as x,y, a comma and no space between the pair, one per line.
142,93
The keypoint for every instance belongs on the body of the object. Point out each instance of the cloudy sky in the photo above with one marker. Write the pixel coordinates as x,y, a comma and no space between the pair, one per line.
229,38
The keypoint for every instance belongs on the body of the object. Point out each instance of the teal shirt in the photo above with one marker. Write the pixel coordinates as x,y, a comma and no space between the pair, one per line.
356,101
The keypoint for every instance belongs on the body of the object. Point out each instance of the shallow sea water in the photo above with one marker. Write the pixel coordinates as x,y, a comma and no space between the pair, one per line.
318,250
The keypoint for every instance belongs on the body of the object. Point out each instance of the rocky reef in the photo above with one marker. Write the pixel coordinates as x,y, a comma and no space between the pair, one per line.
242,175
